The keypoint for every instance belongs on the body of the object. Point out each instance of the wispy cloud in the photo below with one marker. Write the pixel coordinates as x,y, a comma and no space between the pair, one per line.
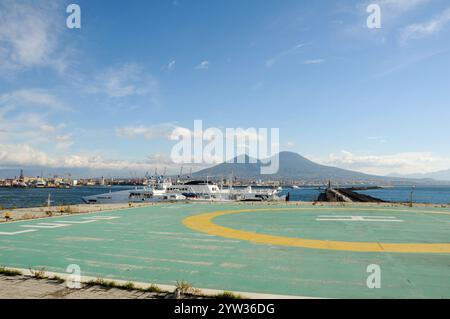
420,30
124,80
275,59
314,61
379,139
401,6
392,9
204,65
171,65
160,131
408,62
402,163
30,36
31,98
26,155
393,15
24,117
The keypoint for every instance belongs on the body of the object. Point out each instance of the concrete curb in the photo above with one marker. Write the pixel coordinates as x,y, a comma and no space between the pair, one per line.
165,288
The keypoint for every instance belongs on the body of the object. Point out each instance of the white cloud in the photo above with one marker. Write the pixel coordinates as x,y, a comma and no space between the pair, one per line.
420,30
393,9
24,118
379,139
63,138
29,35
171,65
160,131
204,65
401,6
393,15
402,163
23,155
183,132
272,61
407,62
31,98
314,61
290,144
237,134
45,128
125,80
173,132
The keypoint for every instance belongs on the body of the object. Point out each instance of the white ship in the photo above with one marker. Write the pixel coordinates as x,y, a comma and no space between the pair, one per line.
138,195
196,191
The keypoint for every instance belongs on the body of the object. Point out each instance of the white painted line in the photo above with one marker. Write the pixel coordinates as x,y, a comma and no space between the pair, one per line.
358,219
76,222
336,216
366,220
46,225
101,217
17,232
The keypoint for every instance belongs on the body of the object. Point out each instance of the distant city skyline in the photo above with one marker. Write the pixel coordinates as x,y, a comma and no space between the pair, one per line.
108,96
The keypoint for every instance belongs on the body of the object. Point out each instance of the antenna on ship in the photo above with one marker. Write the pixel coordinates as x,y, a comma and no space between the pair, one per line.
181,171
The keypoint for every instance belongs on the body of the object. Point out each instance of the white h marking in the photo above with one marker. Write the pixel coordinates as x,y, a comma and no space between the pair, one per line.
17,232
58,224
46,225
100,217
358,219
75,221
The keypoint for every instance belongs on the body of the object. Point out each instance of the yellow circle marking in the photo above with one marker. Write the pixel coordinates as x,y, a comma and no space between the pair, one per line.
204,223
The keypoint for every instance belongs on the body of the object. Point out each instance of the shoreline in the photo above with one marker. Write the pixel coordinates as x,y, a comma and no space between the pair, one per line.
31,213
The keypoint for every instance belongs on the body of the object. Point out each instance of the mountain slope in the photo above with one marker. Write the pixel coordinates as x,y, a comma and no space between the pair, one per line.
440,175
291,166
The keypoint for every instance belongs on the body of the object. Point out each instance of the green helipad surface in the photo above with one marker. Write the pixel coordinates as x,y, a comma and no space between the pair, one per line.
250,248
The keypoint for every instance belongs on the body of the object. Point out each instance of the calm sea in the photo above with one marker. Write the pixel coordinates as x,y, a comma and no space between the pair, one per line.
32,197
422,194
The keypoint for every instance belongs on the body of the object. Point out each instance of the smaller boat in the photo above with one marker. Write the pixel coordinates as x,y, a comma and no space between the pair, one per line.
138,195
40,183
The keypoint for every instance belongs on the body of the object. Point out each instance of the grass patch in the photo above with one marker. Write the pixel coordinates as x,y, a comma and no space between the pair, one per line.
154,288
9,272
184,287
38,273
129,286
57,279
103,283
228,295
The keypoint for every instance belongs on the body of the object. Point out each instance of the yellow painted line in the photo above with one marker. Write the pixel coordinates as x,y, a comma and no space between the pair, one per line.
204,223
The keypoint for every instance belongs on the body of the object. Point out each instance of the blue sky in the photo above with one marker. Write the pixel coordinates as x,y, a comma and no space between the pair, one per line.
108,95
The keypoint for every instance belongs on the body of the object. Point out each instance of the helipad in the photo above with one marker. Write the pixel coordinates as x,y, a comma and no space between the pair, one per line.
277,249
